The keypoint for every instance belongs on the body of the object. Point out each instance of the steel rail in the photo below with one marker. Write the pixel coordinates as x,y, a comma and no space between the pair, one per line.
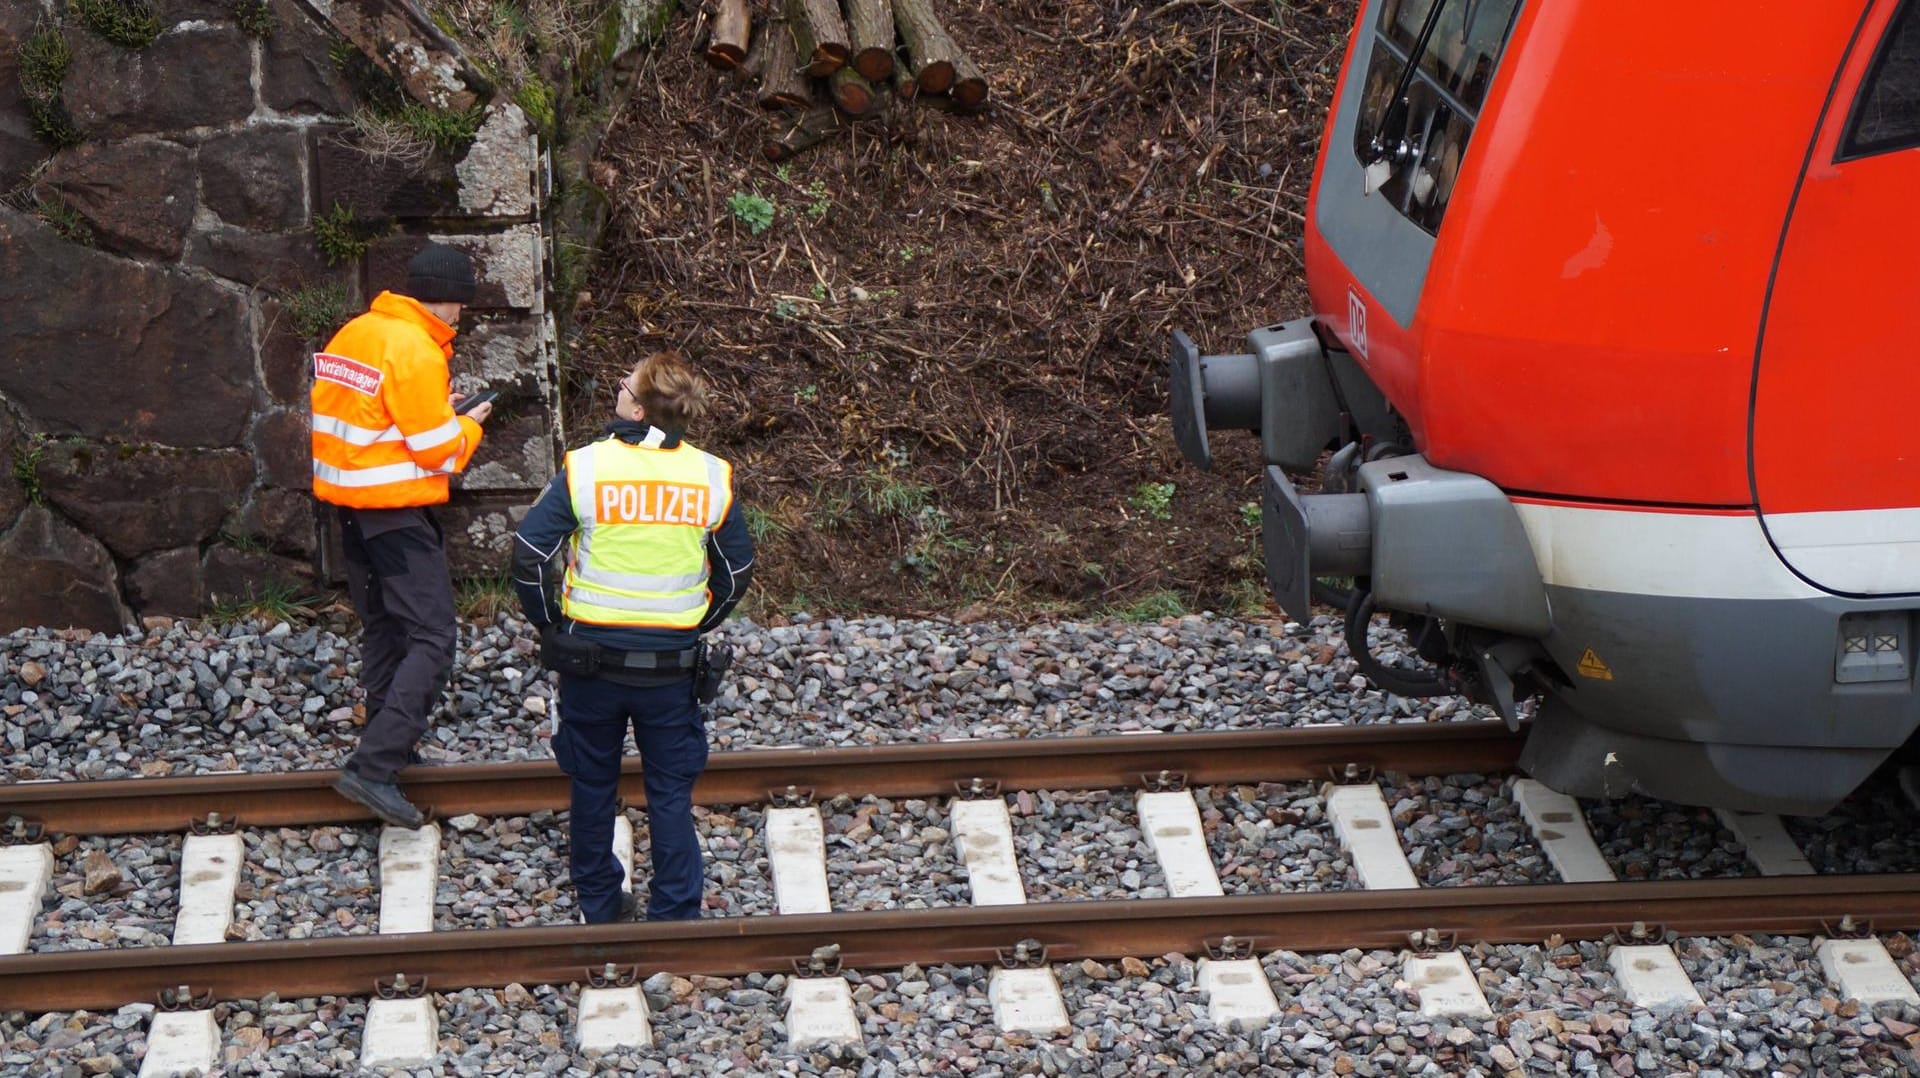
1327,921
747,776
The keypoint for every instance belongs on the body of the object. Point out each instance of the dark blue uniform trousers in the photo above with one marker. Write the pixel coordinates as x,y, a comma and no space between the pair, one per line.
594,715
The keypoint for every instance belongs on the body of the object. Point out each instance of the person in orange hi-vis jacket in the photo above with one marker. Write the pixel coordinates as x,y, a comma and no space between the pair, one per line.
386,437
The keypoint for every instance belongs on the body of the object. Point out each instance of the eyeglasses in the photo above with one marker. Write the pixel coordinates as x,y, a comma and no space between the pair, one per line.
623,388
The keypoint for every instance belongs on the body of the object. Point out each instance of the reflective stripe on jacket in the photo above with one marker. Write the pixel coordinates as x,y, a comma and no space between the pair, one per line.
639,556
384,436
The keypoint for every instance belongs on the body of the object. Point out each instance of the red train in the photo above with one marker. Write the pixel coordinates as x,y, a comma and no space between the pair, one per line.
1616,345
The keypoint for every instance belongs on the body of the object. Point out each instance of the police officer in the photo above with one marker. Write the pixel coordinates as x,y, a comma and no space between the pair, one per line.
656,552
385,440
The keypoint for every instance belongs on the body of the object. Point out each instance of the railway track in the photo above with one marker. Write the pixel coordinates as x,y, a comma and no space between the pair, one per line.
1000,931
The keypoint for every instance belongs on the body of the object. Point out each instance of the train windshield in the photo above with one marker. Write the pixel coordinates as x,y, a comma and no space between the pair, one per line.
1426,80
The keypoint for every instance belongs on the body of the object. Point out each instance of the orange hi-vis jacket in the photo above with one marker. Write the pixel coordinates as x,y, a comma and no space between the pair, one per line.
384,436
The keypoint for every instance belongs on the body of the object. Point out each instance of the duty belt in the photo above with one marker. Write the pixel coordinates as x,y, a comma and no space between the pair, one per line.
649,660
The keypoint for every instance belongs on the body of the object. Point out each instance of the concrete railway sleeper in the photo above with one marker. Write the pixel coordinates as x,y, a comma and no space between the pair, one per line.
817,949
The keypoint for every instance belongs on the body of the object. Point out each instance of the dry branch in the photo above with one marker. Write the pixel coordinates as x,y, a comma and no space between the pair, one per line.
727,46
817,125
756,61
782,85
930,51
872,24
819,35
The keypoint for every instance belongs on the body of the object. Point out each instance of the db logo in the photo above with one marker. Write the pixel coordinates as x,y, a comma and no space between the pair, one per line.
1356,323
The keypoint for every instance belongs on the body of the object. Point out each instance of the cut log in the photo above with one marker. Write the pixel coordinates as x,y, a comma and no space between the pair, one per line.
783,85
817,125
904,87
854,94
819,35
969,85
727,46
930,51
756,61
872,25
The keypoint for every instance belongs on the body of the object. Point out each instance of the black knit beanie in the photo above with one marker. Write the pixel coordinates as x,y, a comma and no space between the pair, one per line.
440,274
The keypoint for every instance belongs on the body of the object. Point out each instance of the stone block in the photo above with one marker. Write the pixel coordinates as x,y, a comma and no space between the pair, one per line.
376,187
480,532
282,261
286,358
53,574
510,353
235,576
12,497
185,79
283,441
296,76
20,149
98,346
498,174
174,12
510,265
113,491
137,194
256,177
515,454
398,37
167,583
283,520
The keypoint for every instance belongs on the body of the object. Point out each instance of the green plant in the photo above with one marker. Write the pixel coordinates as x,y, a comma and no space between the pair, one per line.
806,394
62,218
1152,607
128,23
276,601
832,507
817,191
536,98
341,53
45,58
26,467
887,493
933,542
255,18
783,308
784,173
764,526
317,309
341,237
819,292
1250,514
907,254
1154,500
1247,599
482,598
751,209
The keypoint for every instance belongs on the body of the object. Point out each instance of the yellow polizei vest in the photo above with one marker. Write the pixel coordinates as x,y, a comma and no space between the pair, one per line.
639,556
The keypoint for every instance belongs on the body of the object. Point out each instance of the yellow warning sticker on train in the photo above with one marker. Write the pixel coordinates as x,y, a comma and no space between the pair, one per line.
1591,666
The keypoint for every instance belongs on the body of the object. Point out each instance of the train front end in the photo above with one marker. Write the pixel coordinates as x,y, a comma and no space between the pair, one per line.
1559,343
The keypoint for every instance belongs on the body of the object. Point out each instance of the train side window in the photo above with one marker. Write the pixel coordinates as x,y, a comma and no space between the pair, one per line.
1413,129
1886,115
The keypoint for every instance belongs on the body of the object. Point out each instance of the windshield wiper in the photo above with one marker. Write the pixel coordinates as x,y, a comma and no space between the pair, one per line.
1399,108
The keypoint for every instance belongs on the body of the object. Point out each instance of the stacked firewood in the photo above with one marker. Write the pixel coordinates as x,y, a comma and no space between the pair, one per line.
856,54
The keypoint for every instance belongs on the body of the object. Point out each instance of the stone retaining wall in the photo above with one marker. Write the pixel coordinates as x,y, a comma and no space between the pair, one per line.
163,284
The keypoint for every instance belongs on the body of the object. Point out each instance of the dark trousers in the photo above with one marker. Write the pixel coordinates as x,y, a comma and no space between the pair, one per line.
594,715
397,577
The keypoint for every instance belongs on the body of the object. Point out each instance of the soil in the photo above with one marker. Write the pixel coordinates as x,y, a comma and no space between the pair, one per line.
941,368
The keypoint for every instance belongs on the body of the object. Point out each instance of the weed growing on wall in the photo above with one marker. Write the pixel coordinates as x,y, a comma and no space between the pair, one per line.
45,57
254,18
341,237
317,310
130,24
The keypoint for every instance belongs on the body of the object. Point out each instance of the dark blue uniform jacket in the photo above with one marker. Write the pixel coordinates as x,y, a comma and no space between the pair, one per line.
538,568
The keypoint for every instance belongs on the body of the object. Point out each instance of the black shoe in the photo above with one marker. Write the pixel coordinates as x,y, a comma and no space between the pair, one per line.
384,798
629,906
